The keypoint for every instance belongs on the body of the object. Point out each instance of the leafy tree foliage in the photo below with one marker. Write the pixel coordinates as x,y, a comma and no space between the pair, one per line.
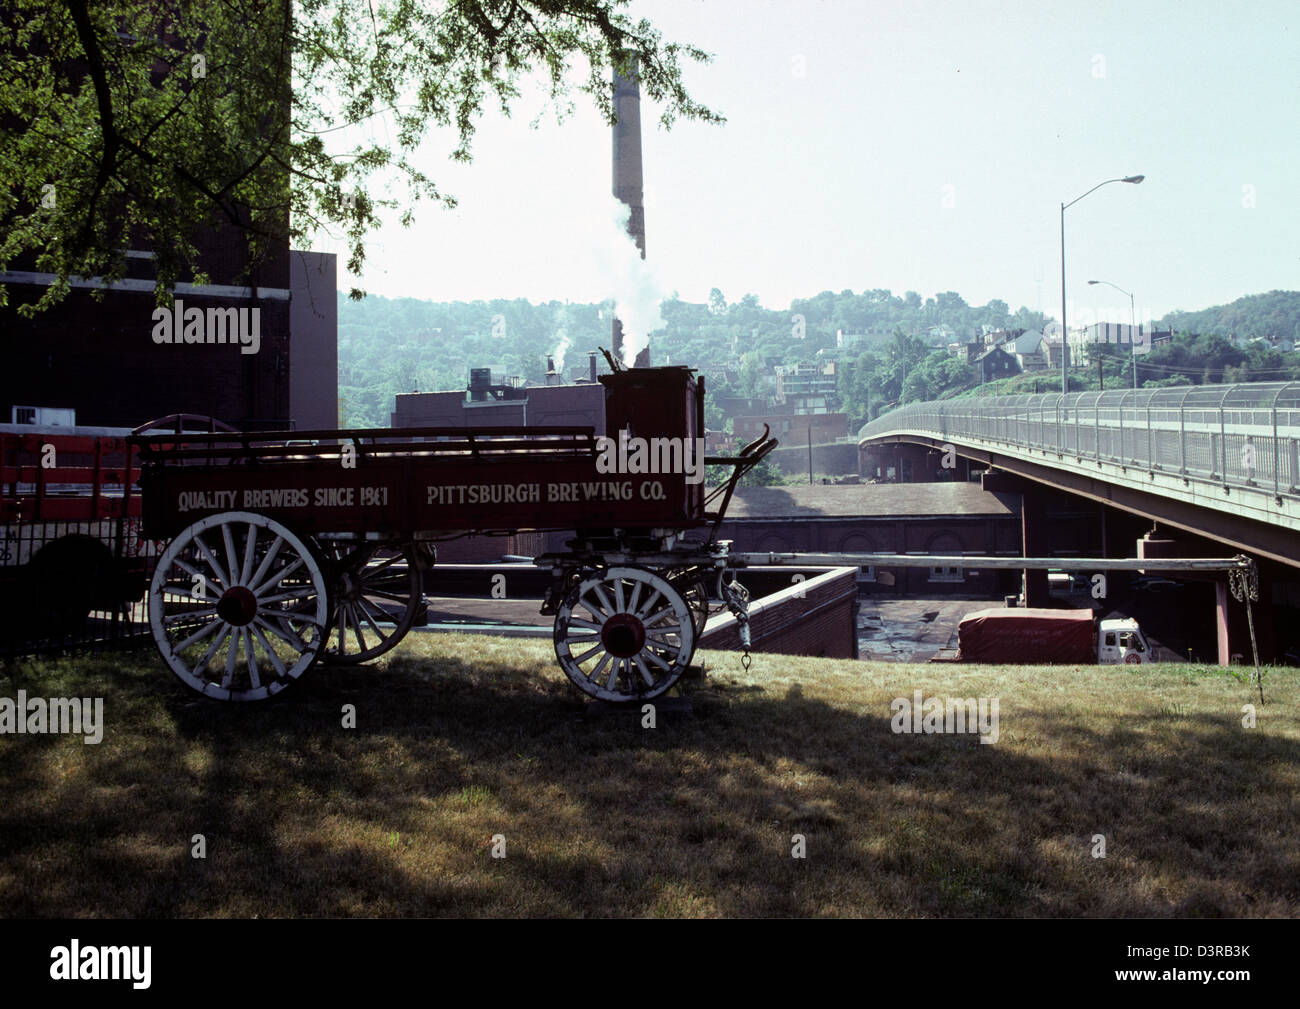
145,123
1209,358
1276,313
765,474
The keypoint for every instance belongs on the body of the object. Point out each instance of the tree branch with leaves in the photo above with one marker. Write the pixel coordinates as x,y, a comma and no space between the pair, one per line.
147,123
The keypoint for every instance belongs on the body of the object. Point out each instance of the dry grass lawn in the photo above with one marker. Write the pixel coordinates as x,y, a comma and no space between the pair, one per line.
461,738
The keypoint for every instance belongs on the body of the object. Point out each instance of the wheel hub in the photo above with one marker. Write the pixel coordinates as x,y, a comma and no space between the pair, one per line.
623,635
237,606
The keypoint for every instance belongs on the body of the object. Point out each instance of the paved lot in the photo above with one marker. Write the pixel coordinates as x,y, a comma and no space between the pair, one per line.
910,630
445,610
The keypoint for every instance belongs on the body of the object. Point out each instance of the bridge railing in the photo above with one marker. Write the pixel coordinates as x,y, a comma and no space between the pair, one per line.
1244,435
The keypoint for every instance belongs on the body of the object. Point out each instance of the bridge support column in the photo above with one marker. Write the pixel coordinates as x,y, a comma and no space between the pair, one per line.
1232,629
1033,542
1223,623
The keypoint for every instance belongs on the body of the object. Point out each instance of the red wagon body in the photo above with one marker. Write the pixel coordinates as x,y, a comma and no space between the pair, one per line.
436,480
289,545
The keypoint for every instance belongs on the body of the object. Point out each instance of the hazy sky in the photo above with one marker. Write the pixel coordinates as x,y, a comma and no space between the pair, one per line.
909,146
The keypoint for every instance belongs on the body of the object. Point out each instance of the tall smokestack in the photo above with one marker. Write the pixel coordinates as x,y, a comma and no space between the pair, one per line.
627,175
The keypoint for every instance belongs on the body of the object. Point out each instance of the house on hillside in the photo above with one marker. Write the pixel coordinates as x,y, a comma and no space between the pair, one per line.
999,337
996,363
1027,349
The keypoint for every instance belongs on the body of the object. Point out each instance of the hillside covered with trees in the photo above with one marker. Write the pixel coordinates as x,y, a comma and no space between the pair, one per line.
896,353
1276,313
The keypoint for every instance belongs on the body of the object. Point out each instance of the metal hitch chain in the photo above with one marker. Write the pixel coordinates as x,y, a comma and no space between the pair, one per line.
736,597
1244,584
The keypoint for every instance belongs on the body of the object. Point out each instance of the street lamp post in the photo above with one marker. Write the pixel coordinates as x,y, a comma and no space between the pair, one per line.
1065,345
1132,326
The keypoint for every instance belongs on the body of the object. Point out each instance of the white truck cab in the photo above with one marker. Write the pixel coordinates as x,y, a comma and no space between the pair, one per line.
1120,640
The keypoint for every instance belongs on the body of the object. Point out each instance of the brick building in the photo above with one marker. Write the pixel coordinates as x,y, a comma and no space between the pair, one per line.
792,428
815,383
99,357
579,405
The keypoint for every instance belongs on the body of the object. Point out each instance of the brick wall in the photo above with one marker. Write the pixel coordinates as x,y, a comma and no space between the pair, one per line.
816,617
833,460
99,357
792,428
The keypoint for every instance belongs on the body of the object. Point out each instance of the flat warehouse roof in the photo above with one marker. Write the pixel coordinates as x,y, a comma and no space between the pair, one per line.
871,501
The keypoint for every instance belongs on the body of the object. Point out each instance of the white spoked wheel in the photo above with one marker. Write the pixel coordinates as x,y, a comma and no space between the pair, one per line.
624,634
238,607
373,599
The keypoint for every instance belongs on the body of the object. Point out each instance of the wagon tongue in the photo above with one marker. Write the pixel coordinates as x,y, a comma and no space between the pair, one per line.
237,606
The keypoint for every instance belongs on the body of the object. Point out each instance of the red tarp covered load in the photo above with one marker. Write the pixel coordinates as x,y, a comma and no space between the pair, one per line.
1026,636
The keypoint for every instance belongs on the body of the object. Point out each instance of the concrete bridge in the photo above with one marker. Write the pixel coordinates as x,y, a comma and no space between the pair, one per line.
1218,462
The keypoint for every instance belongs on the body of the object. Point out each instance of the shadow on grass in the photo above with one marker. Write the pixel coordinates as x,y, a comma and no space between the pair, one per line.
599,816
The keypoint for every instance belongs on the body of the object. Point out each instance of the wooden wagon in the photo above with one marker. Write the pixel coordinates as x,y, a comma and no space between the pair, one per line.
285,548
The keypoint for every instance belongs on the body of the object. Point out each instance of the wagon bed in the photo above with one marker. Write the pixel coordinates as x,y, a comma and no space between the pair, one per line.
409,481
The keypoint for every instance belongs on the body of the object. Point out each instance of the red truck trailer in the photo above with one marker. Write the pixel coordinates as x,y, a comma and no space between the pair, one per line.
1027,636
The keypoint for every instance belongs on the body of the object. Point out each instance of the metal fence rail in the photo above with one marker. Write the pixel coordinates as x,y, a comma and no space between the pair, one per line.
1245,435
67,585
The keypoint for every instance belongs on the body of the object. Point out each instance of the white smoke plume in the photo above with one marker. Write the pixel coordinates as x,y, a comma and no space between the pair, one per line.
637,291
557,355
